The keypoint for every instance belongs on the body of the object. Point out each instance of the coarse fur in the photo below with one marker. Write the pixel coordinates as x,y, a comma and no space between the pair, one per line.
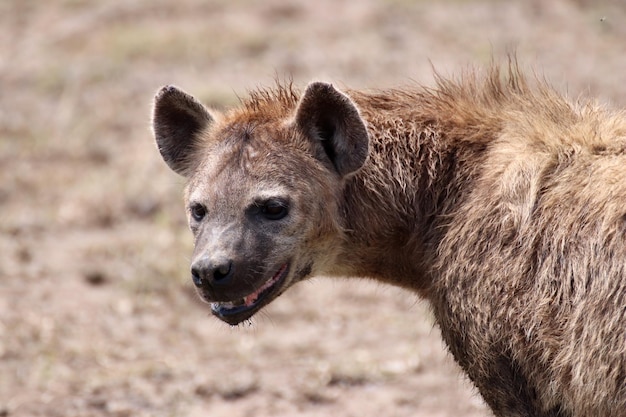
493,197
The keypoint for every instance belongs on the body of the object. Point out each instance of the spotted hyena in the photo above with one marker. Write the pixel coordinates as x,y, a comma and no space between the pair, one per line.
494,198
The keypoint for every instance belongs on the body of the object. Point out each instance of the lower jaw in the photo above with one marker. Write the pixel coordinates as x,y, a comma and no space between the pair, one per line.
234,315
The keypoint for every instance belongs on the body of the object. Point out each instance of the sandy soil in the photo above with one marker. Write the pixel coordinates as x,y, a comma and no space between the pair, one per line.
97,315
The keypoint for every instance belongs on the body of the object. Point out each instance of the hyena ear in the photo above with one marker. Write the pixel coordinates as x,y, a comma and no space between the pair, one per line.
330,117
177,120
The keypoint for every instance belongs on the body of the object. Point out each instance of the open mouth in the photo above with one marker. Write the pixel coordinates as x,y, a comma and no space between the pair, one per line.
234,312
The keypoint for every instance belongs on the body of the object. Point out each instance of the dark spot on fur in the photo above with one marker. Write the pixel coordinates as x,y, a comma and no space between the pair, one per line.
598,149
304,271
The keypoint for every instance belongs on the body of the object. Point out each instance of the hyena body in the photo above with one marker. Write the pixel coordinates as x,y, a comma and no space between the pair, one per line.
503,205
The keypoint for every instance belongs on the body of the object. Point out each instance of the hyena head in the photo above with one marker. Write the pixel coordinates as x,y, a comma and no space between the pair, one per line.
264,188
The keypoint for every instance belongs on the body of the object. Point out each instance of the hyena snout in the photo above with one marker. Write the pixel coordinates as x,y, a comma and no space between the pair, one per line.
208,273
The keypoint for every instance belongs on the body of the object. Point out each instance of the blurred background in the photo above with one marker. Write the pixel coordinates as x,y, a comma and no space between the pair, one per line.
97,314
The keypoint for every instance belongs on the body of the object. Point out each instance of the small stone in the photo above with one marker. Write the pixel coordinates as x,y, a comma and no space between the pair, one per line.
95,278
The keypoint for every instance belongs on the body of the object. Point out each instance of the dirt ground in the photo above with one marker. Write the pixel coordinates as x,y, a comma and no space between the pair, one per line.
97,313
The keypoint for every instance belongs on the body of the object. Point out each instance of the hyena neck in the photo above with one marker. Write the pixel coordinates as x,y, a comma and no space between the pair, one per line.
395,207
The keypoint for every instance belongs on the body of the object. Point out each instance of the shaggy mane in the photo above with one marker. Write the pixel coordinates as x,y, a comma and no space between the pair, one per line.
472,95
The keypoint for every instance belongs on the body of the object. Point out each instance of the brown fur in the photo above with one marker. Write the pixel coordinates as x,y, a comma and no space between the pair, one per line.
501,203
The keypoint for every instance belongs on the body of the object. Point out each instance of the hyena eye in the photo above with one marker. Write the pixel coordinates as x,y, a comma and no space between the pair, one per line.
198,211
274,209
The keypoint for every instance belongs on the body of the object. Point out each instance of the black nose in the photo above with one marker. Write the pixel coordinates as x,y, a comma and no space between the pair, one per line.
206,272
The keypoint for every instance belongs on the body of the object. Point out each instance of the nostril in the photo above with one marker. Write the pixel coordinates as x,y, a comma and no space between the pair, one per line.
196,277
222,272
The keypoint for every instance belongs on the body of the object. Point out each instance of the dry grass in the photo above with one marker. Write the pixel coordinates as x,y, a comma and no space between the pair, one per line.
96,313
